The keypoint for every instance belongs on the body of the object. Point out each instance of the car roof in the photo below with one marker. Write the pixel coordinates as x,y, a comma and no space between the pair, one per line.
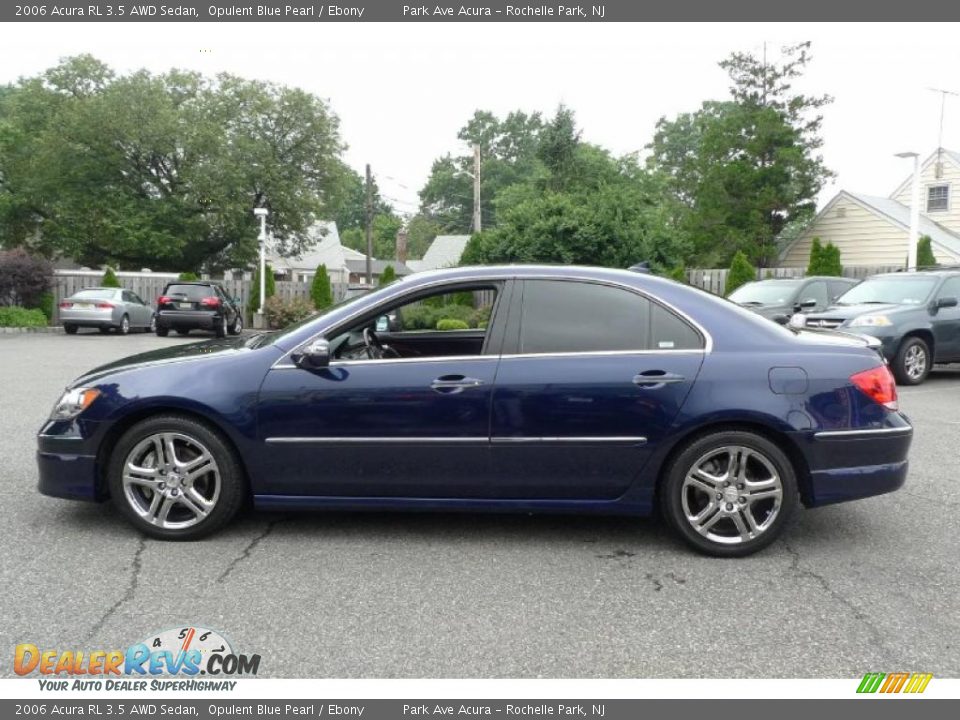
945,272
193,282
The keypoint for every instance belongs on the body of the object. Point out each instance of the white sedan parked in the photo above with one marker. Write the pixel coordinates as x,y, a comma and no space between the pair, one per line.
105,309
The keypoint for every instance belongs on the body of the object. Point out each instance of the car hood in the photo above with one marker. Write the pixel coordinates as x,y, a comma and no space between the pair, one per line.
192,352
847,312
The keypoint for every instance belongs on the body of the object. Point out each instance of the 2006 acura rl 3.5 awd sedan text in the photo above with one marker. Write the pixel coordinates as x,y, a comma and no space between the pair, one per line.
544,389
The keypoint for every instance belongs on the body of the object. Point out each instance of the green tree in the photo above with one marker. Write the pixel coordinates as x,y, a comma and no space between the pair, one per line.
188,276
815,266
109,279
387,276
421,231
830,261
161,169
508,155
320,289
385,228
269,287
741,272
741,170
925,256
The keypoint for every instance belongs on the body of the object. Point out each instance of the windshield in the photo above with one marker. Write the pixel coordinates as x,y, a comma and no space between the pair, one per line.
94,294
766,292
889,290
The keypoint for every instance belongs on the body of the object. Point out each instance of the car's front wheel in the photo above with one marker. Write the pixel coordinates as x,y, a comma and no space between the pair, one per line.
913,361
174,478
729,493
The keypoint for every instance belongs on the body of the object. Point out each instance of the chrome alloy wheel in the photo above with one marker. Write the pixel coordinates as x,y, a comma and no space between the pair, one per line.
915,362
171,480
732,494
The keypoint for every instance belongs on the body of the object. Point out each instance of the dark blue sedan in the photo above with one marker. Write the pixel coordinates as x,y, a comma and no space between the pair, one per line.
519,388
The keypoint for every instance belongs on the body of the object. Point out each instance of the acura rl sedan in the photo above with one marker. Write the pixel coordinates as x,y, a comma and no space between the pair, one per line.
549,389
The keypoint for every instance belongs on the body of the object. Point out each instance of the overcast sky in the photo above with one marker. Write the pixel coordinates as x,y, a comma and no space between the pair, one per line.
403,90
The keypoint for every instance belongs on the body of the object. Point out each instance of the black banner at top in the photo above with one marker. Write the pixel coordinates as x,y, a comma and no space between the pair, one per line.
473,11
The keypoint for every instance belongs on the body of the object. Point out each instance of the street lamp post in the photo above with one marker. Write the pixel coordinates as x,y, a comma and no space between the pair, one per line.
914,210
262,214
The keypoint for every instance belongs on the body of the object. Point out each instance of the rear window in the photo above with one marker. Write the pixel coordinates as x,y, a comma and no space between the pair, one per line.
94,294
192,293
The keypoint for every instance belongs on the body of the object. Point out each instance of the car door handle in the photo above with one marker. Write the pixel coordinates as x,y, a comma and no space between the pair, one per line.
452,384
652,379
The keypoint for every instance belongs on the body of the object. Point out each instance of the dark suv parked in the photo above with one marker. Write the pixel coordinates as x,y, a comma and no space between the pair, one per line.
779,298
186,306
913,314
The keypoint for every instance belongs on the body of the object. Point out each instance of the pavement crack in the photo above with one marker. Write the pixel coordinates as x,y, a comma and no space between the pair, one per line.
136,566
250,547
857,613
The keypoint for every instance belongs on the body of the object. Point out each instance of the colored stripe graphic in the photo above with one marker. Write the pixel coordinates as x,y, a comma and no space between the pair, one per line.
913,683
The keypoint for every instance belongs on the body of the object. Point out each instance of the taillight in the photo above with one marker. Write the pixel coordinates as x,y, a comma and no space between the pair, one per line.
104,306
210,302
878,384
163,300
66,305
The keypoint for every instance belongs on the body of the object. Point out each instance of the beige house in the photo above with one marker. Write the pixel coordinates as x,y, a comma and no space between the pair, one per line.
873,231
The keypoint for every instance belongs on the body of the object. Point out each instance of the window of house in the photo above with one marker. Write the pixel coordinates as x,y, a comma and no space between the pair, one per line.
938,198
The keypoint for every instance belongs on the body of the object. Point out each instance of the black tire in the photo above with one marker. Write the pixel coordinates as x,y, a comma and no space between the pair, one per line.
232,488
70,329
162,331
774,512
220,329
124,327
183,331
913,362
237,326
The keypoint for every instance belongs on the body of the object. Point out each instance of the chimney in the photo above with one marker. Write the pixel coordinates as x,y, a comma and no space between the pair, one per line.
402,245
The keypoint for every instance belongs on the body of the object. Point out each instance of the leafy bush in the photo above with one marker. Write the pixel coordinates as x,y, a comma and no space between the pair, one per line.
24,278
270,288
387,276
451,324
679,274
110,279
824,260
282,314
426,317
320,290
16,316
188,277
481,316
741,272
925,256
46,305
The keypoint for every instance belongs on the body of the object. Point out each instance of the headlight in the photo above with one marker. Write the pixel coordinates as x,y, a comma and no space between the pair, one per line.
73,403
798,320
871,321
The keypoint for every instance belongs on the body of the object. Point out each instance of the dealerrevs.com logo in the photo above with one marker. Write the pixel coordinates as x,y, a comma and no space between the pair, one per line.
892,683
184,653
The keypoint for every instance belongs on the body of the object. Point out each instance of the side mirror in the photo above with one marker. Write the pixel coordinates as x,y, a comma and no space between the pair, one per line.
807,304
781,319
316,355
946,302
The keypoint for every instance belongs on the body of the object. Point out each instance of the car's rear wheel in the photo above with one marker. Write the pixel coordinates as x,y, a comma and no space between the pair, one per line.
174,478
69,329
124,328
730,493
913,361
237,327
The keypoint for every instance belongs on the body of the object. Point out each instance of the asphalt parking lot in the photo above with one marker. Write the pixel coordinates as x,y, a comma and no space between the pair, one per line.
865,586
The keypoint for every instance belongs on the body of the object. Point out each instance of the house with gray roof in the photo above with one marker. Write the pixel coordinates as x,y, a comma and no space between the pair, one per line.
874,231
445,251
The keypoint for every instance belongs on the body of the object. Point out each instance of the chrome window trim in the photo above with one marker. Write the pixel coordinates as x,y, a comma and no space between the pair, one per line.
505,440
853,432
707,348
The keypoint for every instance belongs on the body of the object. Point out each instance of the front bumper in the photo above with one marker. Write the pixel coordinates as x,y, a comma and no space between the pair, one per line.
68,469
853,464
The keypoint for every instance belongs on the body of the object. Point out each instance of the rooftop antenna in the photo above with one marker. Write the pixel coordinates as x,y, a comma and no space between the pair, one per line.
943,104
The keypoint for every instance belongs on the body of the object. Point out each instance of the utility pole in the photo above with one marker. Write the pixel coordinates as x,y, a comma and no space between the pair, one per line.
477,224
369,227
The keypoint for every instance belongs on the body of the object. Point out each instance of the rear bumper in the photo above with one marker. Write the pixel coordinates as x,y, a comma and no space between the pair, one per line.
187,319
67,470
853,464
89,318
